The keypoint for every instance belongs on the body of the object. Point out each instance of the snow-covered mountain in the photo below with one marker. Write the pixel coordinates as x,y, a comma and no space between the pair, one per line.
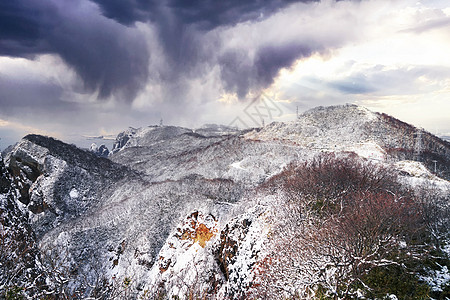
174,211
355,128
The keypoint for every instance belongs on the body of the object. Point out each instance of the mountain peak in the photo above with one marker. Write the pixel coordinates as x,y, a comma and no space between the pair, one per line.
345,112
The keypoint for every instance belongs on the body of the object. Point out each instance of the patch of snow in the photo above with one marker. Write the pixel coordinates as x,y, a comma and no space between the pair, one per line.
74,194
437,279
62,239
94,147
237,165
402,244
446,249
414,168
185,261
370,150
369,114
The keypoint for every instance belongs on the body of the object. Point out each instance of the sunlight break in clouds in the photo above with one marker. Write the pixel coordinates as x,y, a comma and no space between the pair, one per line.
399,66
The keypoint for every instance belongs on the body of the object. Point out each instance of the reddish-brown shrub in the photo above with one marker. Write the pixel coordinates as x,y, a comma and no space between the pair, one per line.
337,218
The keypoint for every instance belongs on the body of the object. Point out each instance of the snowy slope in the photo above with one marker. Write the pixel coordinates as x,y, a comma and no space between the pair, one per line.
323,128
356,129
174,210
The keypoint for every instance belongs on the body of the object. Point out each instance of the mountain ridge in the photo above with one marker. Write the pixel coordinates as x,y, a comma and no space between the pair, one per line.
171,203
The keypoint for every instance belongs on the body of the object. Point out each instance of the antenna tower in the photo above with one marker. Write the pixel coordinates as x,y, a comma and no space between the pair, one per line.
418,145
435,166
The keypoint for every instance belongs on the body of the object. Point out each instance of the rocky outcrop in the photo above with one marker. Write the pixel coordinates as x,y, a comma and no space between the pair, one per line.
58,182
100,151
227,249
239,249
20,270
122,139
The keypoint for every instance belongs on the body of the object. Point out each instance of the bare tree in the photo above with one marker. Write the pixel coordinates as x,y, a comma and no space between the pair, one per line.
337,218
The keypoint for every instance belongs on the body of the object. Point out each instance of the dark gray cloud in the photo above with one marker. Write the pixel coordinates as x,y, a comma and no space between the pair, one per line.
127,12
240,73
233,63
108,56
101,43
22,26
181,25
270,59
205,14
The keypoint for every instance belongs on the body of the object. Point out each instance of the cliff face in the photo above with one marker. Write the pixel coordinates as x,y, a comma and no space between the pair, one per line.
20,269
59,182
173,211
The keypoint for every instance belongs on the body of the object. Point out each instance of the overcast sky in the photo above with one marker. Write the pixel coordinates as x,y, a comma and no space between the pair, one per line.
73,68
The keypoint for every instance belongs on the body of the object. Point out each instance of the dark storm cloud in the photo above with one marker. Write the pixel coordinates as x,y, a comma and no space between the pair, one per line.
206,14
100,41
21,28
239,73
270,59
233,63
108,56
127,12
181,25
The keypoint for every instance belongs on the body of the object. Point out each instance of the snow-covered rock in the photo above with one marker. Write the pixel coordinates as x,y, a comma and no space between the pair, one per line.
20,264
101,151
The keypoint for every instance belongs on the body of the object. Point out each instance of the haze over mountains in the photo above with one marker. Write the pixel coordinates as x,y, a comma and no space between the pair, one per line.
172,212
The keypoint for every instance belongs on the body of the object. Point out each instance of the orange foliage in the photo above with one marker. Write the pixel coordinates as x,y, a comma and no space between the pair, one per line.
202,235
